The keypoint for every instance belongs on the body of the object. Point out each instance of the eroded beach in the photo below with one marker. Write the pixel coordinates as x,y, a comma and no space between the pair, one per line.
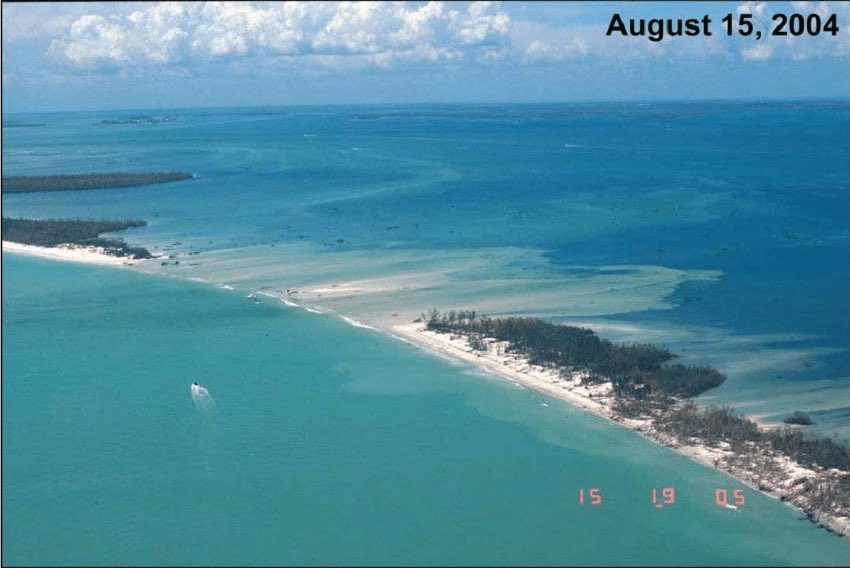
770,472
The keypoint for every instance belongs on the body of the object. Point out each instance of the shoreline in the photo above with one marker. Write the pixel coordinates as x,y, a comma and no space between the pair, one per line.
69,253
785,479
88,181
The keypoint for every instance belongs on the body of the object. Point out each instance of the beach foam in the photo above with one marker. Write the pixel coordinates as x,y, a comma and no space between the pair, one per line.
355,323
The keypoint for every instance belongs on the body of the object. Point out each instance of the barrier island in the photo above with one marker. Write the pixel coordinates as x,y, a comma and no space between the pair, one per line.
74,182
641,387
75,232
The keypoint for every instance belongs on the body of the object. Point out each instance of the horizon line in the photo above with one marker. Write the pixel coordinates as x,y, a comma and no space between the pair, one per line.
452,103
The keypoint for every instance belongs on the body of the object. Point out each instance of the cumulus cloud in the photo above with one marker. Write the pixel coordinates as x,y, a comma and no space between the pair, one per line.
36,19
539,42
539,50
790,46
342,35
754,8
173,33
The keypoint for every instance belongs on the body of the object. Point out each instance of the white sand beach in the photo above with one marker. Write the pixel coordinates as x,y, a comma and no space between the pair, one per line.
69,253
769,472
766,471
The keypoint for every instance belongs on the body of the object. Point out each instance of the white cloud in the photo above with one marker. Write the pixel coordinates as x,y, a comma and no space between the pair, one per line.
536,42
754,8
479,26
540,42
539,50
759,52
35,19
381,32
793,47
176,36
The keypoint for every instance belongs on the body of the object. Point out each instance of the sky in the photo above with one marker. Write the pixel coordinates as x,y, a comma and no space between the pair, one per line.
133,55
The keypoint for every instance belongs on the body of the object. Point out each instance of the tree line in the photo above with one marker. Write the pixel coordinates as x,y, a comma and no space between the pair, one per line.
645,383
85,232
639,370
721,424
72,182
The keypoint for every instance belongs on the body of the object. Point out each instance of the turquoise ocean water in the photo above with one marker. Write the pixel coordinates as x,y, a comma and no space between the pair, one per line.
718,229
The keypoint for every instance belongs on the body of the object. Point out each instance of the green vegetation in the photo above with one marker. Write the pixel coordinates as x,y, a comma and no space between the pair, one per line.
798,418
71,182
645,384
53,232
720,424
636,370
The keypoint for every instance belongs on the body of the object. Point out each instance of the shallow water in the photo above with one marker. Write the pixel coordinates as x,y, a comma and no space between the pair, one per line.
327,444
722,220
716,229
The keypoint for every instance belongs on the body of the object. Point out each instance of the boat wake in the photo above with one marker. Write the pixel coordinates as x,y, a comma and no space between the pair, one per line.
201,398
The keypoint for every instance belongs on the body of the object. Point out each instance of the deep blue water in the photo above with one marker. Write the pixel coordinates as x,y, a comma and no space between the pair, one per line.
754,190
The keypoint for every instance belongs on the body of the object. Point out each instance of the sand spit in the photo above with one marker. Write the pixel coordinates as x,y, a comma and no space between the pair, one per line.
70,253
767,471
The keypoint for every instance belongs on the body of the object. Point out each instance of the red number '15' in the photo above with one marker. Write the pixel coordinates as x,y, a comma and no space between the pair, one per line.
594,494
